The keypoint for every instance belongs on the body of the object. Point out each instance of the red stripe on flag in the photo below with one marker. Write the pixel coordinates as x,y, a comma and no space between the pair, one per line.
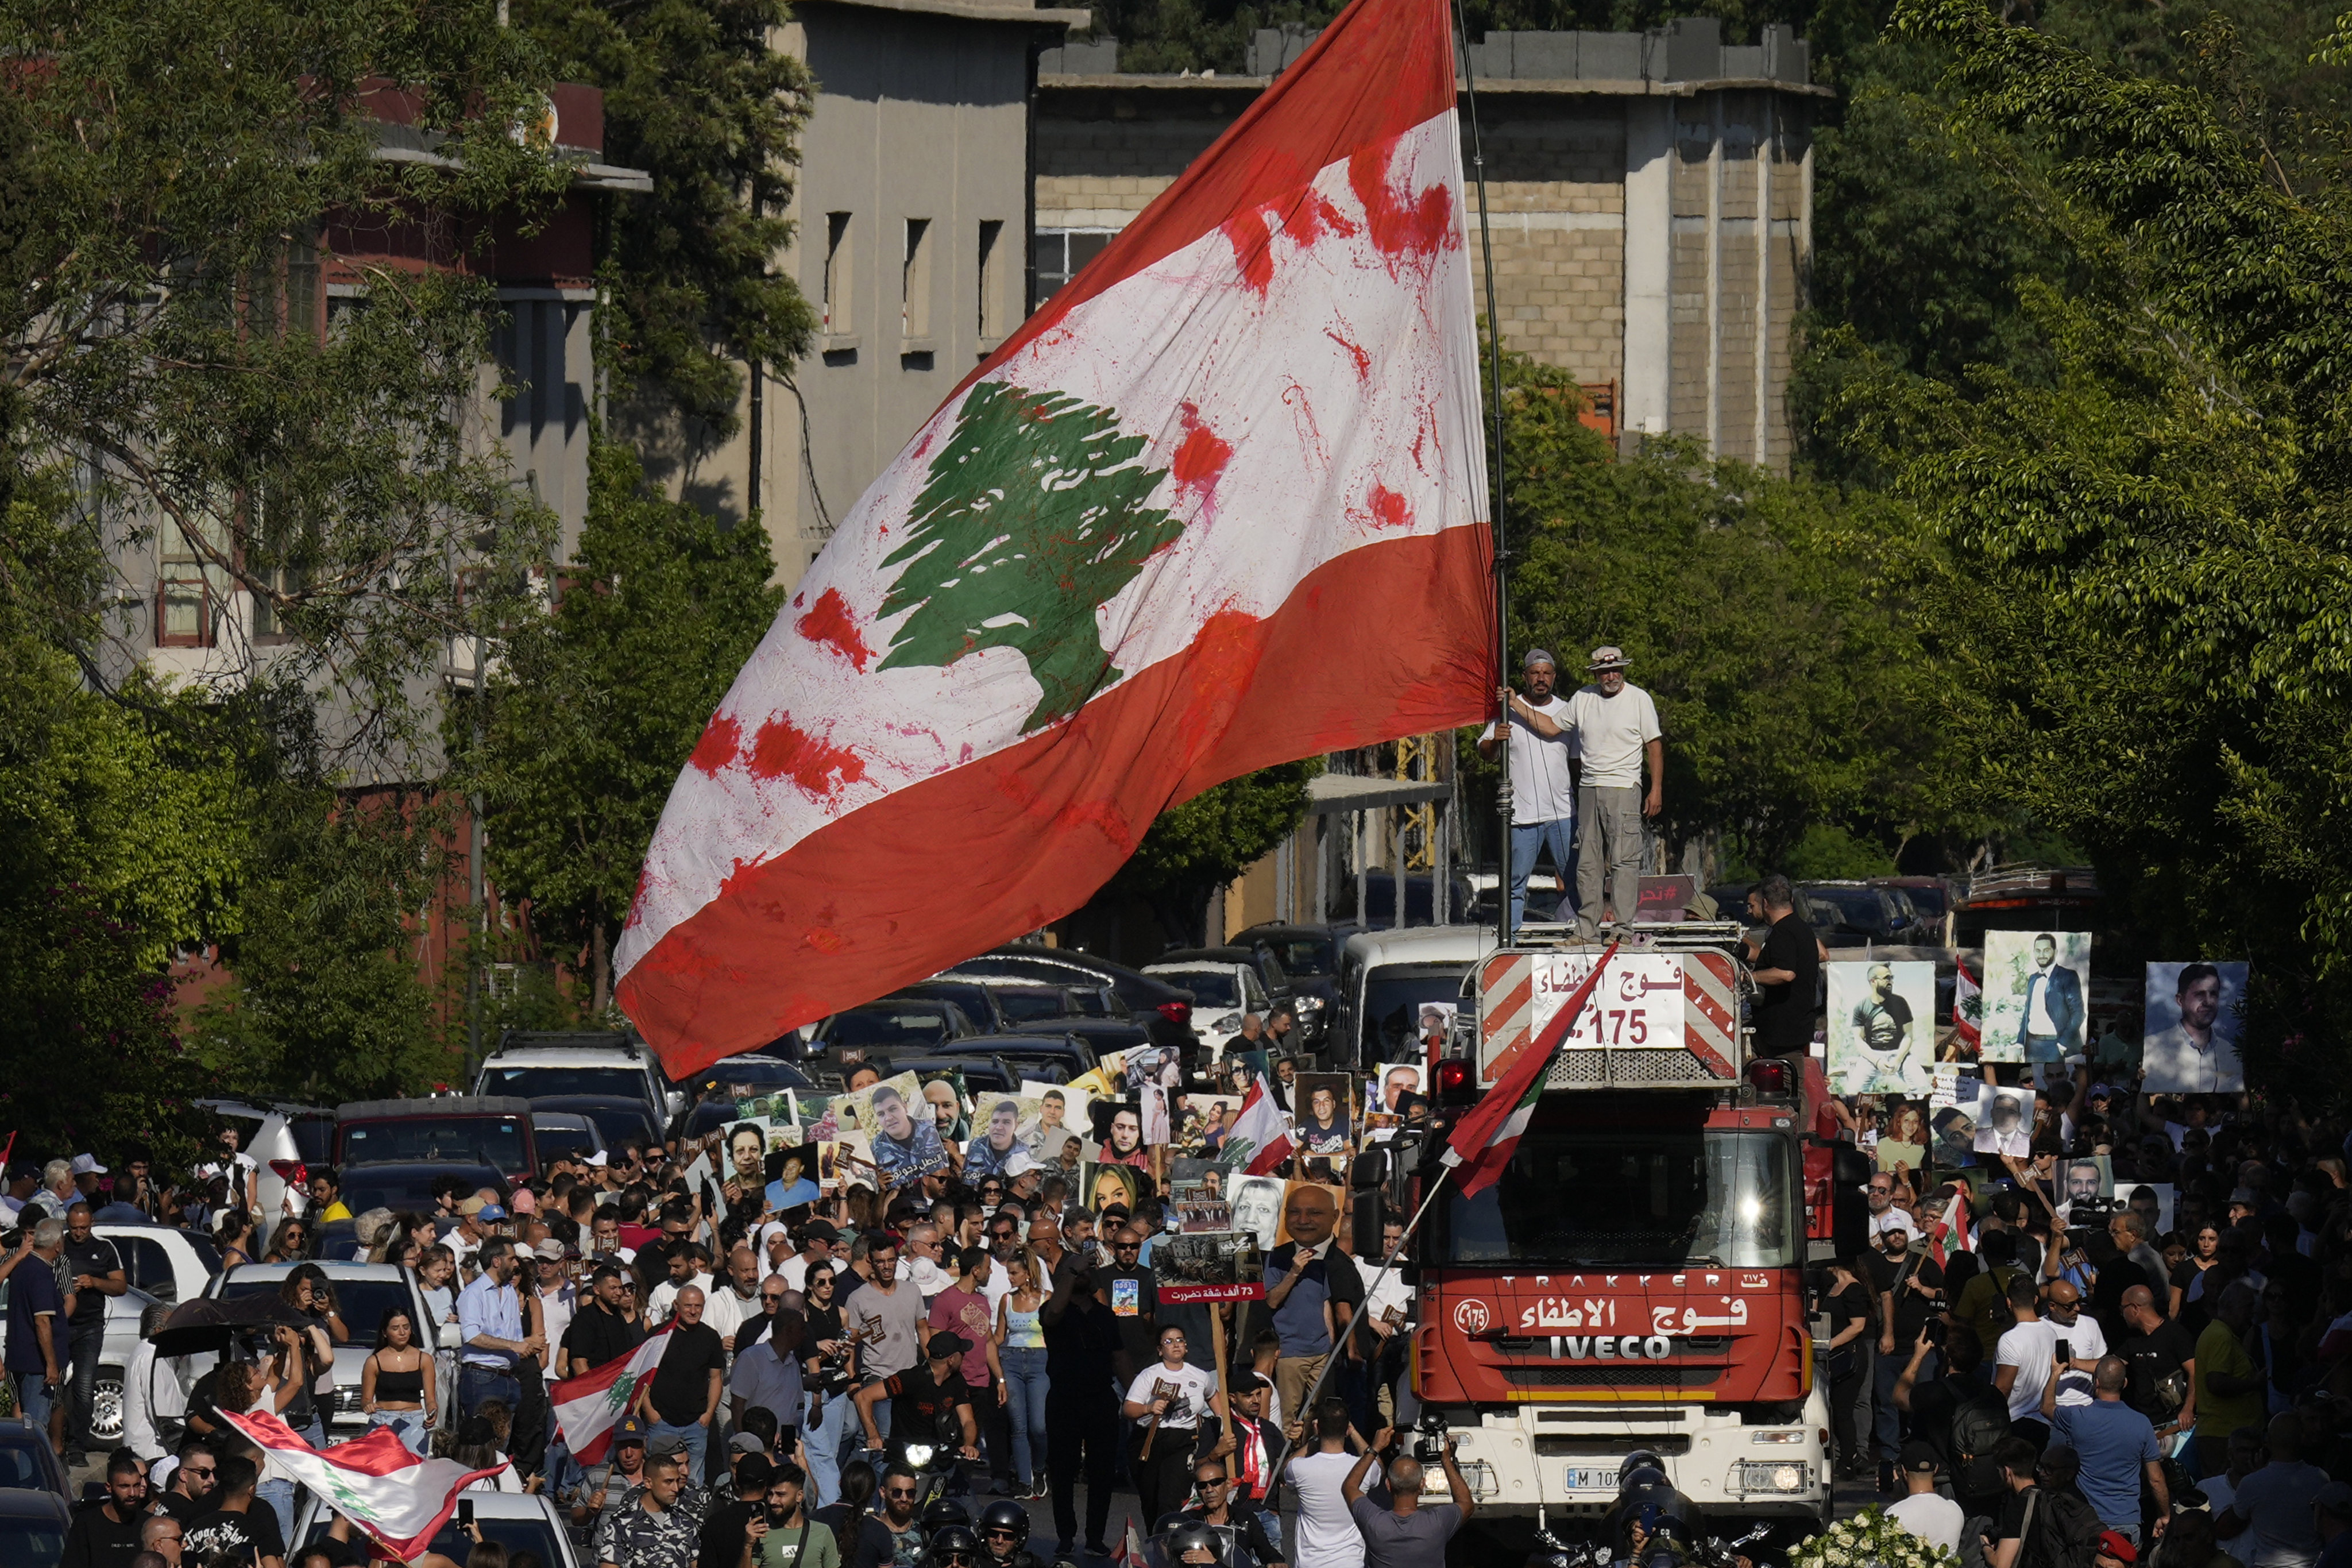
1369,645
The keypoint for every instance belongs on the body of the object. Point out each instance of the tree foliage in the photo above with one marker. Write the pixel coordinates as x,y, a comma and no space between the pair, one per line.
593,707
697,94
1192,849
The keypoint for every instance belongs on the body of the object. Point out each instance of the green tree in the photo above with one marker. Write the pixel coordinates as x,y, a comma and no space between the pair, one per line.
593,707
1193,850
1030,519
697,95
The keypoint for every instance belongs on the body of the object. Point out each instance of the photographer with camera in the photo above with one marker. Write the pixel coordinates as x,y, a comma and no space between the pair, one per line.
1406,1534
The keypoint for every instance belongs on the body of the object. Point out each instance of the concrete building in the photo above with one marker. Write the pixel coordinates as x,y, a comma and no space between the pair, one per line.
912,216
1650,194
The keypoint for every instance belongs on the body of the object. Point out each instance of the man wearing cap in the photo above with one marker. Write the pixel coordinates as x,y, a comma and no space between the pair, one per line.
817,1238
1924,1512
476,1215
559,1299
1617,732
489,1323
1543,788
920,1395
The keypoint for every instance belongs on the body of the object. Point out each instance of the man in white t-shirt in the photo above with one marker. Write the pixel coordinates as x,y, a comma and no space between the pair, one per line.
1327,1537
2086,1342
2022,1362
1543,790
1933,1518
1616,732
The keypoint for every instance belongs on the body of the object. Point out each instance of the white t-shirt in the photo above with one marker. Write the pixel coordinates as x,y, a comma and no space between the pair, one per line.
1934,1520
1193,1390
1541,790
1610,733
664,1299
2028,1347
1327,1537
2085,1341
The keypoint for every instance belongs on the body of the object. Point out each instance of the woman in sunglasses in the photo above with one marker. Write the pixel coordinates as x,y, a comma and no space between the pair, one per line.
825,1348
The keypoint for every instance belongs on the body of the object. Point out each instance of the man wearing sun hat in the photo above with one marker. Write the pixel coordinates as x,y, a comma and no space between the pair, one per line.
1617,732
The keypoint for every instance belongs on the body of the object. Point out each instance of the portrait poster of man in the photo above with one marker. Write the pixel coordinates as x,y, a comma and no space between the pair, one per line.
1321,1103
898,1128
792,1175
1956,1136
2194,1014
1294,1192
2004,1118
1384,1093
2081,1177
996,1149
2034,989
1059,1111
2152,1201
1257,1207
943,1089
1119,1133
1882,1028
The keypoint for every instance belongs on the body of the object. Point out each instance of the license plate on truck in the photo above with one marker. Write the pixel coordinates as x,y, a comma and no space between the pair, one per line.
1584,1480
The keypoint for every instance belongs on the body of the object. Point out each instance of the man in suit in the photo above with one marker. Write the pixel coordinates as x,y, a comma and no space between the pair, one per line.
2051,1024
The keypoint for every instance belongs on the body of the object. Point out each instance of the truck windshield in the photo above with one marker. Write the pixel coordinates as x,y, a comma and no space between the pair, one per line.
1630,1197
1393,995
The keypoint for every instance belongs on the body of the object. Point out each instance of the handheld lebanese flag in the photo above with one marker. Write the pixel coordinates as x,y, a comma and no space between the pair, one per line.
1485,1139
1217,505
399,1499
1951,1232
1968,1009
589,1406
1263,1129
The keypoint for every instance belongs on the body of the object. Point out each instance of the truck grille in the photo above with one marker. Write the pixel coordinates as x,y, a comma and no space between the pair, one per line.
1621,1375
1612,1448
1582,1069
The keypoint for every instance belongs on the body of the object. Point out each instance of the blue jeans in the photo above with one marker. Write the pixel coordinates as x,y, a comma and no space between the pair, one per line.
32,1401
1887,1421
475,1383
1528,840
1024,1405
81,1383
694,1434
408,1426
279,1496
823,1438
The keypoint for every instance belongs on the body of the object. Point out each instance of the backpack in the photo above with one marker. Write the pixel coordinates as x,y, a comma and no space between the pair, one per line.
1980,1424
2060,1531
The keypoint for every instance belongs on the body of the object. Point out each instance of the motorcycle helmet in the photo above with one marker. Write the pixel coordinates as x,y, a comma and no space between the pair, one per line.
1194,1544
1640,1458
954,1546
1005,1514
943,1513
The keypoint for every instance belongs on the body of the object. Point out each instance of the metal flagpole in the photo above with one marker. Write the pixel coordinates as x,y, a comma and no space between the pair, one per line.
1502,555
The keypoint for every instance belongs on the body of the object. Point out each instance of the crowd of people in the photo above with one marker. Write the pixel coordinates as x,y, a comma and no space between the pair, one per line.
2058,1375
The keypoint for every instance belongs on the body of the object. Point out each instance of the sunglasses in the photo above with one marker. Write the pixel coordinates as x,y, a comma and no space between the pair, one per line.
1001,1534
901,1491
767,1296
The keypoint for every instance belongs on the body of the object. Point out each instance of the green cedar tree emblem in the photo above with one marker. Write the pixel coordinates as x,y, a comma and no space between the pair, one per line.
1030,519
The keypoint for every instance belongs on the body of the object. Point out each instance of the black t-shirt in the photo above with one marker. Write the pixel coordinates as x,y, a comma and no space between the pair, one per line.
1911,1309
2153,1358
824,1326
1784,1013
95,1256
681,1390
179,1505
1079,1345
1132,1300
243,1534
2012,1517
917,1401
1844,1307
597,1337
97,1540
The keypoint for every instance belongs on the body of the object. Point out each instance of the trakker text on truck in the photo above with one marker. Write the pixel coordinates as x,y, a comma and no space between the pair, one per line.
1636,1278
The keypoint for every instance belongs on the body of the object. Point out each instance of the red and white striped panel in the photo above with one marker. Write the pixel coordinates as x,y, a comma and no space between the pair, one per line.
1506,1011
1710,1012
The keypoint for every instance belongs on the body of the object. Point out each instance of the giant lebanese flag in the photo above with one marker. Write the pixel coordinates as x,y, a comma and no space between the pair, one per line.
1217,505
396,1496
589,1406
1484,1140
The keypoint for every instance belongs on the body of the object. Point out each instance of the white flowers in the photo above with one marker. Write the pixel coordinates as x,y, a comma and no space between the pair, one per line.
1869,1539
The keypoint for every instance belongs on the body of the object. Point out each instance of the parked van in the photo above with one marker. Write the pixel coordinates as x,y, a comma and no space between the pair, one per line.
1385,976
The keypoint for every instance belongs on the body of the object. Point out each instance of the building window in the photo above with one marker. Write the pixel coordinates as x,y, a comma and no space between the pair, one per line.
191,590
991,313
915,281
1063,253
837,300
290,582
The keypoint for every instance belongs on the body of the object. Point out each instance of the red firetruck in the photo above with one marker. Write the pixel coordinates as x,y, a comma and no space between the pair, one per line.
1636,1278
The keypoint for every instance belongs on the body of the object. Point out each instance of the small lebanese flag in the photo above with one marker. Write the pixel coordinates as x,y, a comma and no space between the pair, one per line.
399,1499
589,1406
1967,1002
1219,504
1951,1232
1486,1138
1262,1128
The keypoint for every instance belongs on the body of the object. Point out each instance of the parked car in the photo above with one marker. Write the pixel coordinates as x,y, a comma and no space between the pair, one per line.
1166,1010
1309,956
1260,956
988,1074
488,1130
975,996
283,1140
1850,914
1052,1053
520,1521
891,1024
563,1134
123,1315
1386,976
33,1526
408,1183
536,1066
28,1463
1420,900
1546,893
363,1293
619,1117
169,1264
1222,990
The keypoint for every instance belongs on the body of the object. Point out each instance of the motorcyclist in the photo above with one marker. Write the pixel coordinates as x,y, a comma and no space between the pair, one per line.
921,1396
1213,1504
1005,1536
1647,1503
954,1547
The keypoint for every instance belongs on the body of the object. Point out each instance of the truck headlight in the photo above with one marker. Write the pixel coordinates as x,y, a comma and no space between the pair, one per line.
1230,1024
1788,1478
1309,1004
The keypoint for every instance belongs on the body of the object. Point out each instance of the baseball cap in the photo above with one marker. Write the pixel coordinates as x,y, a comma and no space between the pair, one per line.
88,1166
2335,1499
943,1345
819,1230
2238,1197
490,1211
746,1443
551,1250
1607,655
631,1429
599,1159
667,1443
1243,1380
2112,1543
1918,1457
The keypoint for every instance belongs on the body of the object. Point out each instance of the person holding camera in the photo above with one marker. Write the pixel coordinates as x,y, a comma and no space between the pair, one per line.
1406,1534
